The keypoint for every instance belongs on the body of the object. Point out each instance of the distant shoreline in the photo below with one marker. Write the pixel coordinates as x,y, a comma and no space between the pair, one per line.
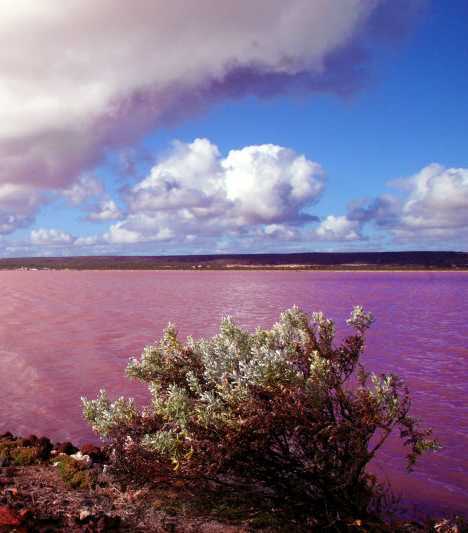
240,269
308,262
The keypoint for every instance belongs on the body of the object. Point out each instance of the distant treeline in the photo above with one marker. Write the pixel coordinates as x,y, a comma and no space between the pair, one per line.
313,261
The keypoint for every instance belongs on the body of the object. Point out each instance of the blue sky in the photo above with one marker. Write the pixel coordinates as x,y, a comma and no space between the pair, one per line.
383,167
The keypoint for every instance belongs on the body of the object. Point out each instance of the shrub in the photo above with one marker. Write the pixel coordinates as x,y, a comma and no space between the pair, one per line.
284,411
23,451
22,456
74,473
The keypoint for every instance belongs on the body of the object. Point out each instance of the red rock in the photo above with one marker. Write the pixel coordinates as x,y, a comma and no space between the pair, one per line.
8,517
93,451
24,514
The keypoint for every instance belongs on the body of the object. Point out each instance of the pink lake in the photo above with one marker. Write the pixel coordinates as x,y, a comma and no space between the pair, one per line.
66,334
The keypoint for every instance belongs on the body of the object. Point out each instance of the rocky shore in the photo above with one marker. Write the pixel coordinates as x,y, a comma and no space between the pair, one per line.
47,487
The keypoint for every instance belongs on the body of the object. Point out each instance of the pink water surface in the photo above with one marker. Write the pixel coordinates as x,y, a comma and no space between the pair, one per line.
67,334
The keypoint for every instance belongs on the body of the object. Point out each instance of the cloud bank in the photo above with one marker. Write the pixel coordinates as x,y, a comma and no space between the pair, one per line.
259,197
80,77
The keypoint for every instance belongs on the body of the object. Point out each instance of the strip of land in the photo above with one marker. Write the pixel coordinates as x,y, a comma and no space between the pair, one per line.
417,260
57,487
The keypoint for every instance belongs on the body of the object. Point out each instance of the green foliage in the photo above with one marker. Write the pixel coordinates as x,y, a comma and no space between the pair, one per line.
22,456
271,409
18,451
74,473
105,415
12,453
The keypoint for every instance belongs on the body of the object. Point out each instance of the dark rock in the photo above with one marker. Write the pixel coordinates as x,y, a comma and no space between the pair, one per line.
10,471
29,442
98,522
65,447
45,447
108,523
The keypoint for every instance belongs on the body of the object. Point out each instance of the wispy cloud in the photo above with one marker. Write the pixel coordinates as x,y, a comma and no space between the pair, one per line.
106,210
19,204
51,237
82,189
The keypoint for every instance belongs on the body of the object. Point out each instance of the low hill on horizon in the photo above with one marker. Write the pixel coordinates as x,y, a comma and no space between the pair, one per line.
413,260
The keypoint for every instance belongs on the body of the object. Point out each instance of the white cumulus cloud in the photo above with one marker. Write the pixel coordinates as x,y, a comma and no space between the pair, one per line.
438,199
434,207
338,228
269,183
194,190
